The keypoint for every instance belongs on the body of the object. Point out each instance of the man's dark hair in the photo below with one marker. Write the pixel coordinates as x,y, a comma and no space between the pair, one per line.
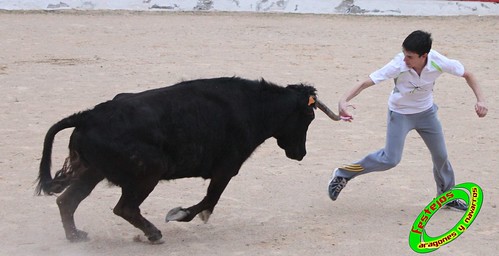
418,42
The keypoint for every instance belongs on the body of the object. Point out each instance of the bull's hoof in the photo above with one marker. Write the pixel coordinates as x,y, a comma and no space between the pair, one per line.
176,214
205,216
77,236
155,238
144,239
159,241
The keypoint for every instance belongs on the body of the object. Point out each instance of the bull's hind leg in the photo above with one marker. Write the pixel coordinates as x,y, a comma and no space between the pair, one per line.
71,198
128,207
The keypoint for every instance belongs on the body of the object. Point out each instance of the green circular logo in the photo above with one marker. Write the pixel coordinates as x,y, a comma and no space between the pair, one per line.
471,193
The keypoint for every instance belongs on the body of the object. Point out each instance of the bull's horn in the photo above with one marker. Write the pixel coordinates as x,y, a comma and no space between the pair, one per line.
327,111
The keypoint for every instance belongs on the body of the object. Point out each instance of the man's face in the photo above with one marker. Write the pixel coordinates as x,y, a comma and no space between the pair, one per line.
413,60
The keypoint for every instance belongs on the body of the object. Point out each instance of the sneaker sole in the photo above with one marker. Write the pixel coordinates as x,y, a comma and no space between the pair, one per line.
453,209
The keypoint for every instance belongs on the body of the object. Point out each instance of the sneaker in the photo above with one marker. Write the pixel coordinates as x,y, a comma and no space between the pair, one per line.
457,204
336,184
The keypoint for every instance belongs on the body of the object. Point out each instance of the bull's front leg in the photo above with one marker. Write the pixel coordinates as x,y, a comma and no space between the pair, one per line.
203,208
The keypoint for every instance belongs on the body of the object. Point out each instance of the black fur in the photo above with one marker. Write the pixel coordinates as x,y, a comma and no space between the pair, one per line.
202,128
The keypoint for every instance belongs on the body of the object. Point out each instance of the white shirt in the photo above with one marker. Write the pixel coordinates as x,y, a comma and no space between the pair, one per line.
414,93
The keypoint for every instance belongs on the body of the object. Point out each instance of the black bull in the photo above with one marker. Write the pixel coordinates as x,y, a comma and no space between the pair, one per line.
201,128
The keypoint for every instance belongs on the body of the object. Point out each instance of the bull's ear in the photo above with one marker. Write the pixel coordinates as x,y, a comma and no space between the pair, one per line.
311,101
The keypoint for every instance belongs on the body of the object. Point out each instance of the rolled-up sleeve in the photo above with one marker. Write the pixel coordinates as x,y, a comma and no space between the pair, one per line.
389,71
447,65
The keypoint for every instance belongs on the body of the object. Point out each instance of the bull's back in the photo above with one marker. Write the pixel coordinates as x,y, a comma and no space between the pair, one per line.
180,131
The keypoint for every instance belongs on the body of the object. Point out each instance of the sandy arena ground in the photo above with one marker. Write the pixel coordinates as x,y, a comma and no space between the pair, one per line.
54,64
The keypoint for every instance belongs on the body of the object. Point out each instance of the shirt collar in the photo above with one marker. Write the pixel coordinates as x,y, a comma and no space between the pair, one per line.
431,65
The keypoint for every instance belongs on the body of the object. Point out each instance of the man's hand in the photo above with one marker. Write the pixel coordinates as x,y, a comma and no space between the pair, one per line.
342,109
480,109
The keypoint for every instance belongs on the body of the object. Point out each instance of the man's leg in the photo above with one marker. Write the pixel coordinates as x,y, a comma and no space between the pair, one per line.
430,130
397,128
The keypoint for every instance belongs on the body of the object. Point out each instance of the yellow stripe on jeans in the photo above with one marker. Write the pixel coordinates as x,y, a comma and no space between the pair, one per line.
353,168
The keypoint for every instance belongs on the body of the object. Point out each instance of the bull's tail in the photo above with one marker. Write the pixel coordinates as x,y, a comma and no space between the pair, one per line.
45,181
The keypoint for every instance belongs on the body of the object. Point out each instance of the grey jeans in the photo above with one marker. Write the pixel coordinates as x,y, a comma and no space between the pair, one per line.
429,128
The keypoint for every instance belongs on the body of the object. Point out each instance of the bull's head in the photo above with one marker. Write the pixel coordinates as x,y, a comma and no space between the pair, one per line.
293,134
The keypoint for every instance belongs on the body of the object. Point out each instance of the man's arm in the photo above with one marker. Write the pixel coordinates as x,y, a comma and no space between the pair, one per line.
343,103
480,106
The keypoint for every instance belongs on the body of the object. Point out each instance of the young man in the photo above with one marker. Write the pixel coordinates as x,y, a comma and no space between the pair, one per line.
410,107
